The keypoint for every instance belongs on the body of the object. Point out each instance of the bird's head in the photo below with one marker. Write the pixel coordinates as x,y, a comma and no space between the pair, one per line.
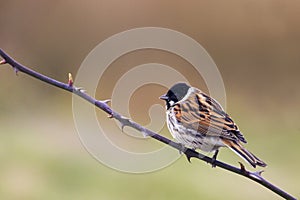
176,93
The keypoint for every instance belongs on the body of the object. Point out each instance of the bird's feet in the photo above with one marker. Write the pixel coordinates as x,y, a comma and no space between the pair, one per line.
182,149
214,158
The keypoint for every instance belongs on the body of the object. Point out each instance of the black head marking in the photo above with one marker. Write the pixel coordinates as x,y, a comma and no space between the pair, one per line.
178,91
175,93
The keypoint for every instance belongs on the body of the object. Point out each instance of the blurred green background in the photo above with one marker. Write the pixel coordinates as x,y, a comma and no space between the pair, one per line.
255,45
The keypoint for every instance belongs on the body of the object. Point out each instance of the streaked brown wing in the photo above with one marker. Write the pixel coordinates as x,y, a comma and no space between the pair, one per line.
202,113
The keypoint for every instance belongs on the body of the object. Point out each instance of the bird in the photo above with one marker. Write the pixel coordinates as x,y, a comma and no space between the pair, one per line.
198,121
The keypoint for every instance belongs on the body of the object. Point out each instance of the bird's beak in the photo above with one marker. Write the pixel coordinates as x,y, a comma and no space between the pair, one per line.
164,97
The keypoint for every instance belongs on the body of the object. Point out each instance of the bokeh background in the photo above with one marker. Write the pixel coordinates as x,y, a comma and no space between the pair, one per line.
255,45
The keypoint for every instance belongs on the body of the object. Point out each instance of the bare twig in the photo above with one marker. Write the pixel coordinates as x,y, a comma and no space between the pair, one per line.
190,153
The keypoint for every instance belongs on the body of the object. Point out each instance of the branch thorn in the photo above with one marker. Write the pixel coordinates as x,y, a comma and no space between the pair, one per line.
2,62
145,134
110,116
70,81
16,71
124,122
80,89
106,101
258,173
122,127
242,167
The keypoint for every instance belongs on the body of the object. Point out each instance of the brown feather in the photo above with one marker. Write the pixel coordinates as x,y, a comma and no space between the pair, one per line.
204,114
177,112
244,153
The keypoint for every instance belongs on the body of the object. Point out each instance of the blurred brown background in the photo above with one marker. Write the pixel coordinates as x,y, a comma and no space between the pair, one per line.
255,45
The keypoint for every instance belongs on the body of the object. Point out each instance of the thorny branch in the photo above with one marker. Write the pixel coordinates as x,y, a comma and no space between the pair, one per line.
190,153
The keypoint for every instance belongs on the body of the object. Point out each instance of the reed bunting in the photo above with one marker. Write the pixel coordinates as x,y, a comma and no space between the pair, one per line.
199,122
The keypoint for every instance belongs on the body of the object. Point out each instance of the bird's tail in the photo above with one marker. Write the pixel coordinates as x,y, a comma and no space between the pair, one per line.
244,153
